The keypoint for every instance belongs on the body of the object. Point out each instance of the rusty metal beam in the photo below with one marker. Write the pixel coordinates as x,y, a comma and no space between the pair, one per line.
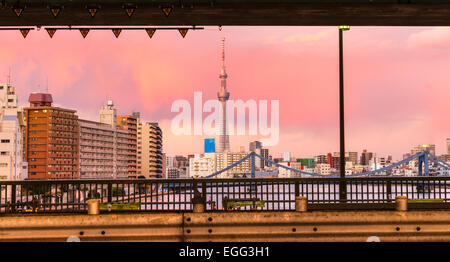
111,227
232,226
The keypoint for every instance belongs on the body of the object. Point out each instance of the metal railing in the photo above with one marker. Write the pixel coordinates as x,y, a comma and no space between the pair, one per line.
271,194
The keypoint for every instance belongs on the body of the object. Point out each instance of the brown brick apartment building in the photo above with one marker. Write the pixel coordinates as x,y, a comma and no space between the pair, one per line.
51,139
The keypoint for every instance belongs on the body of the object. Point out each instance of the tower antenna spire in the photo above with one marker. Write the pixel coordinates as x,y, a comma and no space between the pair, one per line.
223,52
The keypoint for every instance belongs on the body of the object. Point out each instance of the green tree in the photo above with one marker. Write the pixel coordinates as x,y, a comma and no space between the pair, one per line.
118,191
93,194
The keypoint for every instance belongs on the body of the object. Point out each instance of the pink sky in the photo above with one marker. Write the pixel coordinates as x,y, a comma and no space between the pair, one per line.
397,80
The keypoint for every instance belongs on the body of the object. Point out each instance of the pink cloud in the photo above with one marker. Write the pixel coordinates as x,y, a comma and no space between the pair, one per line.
435,38
396,80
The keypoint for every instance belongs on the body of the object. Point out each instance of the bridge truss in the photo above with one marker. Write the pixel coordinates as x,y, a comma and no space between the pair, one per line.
424,159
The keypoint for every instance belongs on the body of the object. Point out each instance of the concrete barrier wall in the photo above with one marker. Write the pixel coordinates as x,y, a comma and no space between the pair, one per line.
231,226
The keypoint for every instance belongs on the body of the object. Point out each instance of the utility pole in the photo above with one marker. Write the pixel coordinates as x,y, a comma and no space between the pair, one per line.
342,183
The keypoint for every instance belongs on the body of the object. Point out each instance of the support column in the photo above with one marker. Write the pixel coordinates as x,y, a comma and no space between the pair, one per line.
199,199
425,163
13,198
419,171
342,183
93,206
253,164
401,203
301,204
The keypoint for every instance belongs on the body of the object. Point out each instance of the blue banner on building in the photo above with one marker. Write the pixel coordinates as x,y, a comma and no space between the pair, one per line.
210,145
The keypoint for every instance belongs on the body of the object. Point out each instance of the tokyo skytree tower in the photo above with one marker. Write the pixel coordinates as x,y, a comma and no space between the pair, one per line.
223,95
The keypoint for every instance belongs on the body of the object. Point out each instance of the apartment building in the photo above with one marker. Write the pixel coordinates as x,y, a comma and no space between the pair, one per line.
323,169
149,150
285,173
105,146
12,165
51,139
202,165
129,124
121,153
96,150
423,148
226,159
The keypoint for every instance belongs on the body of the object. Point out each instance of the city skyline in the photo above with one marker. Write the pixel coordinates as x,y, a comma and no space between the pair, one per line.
401,106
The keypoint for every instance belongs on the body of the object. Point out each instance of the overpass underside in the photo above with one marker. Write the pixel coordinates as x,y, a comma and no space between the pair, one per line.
226,13
320,226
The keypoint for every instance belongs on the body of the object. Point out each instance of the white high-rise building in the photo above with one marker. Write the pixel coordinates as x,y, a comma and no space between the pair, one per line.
108,114
226,159
169,161
323,169
103,147
202,165
96,150
287,156
258,161
12,165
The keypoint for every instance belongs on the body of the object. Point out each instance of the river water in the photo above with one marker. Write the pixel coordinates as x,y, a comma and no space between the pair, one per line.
275,196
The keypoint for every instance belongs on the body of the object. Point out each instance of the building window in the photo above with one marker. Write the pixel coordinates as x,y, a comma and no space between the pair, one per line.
10,100
5,141
3,164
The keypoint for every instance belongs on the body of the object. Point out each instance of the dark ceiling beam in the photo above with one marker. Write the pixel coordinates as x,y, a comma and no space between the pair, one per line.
245,13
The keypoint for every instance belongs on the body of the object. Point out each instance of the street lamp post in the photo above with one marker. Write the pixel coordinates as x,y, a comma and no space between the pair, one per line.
342,183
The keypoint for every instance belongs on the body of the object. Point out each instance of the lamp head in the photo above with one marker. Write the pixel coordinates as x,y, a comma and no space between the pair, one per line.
344,27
